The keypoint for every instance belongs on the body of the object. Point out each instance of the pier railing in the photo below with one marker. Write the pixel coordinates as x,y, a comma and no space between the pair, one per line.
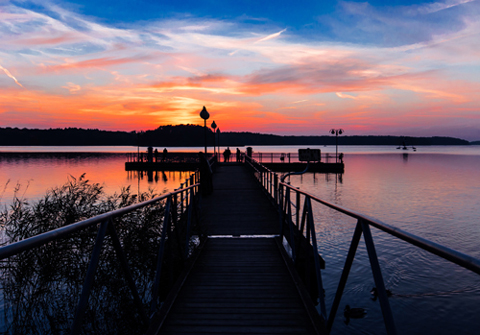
192,157
177,208
279,157
296,218
171,157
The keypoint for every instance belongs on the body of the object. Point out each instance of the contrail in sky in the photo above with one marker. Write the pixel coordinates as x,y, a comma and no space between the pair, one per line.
11,76
269,37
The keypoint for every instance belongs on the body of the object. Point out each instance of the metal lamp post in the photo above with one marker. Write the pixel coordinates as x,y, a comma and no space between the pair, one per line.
218,141
204,115
336,132
214,126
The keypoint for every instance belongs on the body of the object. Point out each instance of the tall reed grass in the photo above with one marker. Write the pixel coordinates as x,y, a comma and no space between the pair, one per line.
41,287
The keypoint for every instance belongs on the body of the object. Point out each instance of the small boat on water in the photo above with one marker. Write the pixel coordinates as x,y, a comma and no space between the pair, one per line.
403,146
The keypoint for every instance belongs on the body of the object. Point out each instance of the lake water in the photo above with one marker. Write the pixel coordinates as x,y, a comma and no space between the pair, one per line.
36,169
433,193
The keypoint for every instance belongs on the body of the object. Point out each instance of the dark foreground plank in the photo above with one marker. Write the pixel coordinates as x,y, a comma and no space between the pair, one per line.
232,290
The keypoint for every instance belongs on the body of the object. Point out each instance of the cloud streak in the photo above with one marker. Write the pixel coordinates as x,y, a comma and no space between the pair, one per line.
269,37
439,6
11,76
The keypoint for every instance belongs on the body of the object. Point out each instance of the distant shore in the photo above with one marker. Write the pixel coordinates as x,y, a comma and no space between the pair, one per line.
193,135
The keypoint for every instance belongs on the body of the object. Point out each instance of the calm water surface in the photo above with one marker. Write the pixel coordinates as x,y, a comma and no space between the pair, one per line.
433,193
35,172
435,196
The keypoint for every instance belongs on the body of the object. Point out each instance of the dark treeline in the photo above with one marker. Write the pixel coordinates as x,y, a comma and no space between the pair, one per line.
67,136
263,139
193,135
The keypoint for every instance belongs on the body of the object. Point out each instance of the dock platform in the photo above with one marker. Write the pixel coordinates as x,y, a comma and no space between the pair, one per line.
274,162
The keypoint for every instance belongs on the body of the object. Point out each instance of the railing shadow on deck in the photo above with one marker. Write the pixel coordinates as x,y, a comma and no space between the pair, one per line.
297,226
179,211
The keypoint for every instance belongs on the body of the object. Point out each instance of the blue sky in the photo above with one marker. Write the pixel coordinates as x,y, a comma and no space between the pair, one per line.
285,67
372,22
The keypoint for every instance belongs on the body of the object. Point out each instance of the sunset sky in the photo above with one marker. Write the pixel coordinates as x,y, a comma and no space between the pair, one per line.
281,67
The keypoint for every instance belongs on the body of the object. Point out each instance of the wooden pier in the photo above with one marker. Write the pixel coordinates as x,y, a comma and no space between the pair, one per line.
242,281
314,167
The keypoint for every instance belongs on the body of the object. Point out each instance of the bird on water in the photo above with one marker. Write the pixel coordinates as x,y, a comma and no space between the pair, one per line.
354,313
374,293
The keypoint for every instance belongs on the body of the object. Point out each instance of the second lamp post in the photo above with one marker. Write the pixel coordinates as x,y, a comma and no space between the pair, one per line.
204,115
336,132
214,126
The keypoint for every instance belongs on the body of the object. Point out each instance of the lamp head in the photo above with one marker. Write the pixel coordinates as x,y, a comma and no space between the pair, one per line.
336,131
214,125
204,114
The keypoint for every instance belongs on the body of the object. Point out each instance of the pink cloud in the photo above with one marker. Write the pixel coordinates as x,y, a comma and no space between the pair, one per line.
48,40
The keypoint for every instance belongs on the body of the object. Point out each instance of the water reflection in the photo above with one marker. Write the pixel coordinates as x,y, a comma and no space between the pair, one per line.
34,173
335,177
170,178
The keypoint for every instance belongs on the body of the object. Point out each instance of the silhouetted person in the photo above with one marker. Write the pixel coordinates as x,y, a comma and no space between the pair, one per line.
238,155
341,157
149,154
206,183
226,155
164,155
156,155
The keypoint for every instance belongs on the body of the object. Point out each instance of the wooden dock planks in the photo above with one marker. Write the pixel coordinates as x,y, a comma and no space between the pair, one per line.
237,205
239,285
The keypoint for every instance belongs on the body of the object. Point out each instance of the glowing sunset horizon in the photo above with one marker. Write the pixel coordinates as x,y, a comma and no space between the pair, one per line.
410,68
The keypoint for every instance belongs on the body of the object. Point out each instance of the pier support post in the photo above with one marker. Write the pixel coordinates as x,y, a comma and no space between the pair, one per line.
377,276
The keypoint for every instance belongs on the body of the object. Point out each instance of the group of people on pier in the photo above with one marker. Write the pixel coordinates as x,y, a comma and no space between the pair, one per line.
154,155
164,155
227,153
150,154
